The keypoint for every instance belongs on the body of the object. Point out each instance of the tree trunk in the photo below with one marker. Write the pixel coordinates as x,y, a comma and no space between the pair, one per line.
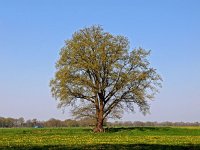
99,113
99,123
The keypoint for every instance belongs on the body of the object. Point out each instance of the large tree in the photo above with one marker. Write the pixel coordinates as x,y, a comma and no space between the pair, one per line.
100,76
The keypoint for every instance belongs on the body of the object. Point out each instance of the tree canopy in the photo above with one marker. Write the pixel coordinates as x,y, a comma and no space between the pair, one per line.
101,77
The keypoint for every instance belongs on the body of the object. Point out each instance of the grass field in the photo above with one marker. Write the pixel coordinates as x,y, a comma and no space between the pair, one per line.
114,138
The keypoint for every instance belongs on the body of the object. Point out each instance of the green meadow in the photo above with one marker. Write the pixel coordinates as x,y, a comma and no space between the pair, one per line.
113,138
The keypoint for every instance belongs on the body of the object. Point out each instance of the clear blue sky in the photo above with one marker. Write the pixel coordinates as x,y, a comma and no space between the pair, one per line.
32,33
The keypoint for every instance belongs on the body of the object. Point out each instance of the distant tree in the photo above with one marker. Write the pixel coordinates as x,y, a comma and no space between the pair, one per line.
100,77
29,123
127,123
71,123
139,123
87,121
20,122
34,122
9,122
53,123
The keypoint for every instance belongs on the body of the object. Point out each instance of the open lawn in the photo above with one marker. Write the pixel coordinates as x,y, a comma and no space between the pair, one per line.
114,138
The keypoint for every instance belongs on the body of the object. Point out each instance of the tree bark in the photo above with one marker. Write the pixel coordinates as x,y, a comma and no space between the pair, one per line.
100,119
99,124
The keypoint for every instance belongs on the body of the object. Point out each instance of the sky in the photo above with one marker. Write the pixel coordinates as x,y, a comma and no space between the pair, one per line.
33,32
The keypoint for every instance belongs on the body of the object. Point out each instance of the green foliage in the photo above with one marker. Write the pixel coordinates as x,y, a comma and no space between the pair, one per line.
100,76
115,138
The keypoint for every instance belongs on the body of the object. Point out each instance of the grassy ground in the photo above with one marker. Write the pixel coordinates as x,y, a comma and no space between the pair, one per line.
114,138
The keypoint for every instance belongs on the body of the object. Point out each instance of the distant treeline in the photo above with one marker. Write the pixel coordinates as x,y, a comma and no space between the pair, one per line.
20,122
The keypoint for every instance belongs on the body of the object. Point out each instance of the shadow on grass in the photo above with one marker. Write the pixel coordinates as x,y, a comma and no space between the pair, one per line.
107,147
118,129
